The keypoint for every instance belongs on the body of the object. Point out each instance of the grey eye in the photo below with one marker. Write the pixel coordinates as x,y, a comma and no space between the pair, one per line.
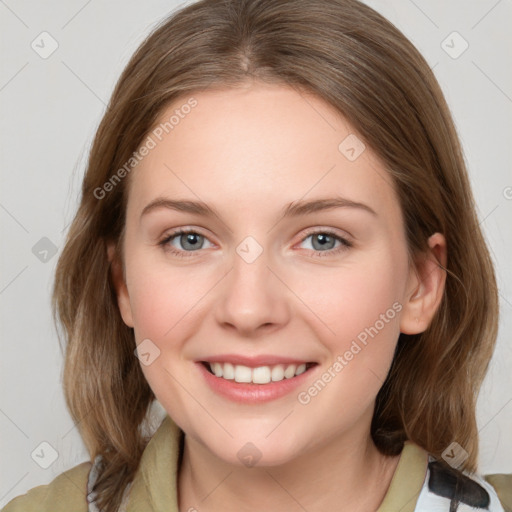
188,241
322,241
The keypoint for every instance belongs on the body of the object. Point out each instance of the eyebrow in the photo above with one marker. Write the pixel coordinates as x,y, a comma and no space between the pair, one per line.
291,210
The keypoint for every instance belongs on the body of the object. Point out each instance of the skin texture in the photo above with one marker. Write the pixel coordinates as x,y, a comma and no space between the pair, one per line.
248,152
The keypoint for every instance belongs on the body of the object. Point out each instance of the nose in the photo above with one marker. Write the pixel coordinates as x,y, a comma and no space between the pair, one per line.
253,299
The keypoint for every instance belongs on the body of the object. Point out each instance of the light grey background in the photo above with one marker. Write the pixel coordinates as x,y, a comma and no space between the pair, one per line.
50,108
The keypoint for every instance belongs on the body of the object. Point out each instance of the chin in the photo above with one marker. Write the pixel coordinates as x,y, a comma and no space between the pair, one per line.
255,450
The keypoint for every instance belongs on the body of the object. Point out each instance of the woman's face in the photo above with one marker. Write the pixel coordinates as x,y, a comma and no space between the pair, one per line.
270,277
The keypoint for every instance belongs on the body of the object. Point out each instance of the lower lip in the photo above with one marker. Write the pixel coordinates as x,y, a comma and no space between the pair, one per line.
243,392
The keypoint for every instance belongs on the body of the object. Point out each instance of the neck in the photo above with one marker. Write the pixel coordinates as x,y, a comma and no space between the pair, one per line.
336,472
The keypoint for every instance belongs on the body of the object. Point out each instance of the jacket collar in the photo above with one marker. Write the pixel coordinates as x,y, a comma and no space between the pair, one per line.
154,488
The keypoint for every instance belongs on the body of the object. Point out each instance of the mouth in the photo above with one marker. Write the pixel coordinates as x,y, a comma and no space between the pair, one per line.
264,374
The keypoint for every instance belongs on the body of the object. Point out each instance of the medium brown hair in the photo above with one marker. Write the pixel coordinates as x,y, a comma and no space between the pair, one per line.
355,60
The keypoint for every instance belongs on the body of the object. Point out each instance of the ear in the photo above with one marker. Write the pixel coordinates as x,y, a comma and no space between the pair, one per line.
117,273
425,287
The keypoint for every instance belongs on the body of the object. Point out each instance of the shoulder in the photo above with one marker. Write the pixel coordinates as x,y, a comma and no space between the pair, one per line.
65,493
458,491
502,483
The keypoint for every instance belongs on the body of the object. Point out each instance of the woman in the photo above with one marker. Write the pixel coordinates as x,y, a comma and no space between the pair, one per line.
276,240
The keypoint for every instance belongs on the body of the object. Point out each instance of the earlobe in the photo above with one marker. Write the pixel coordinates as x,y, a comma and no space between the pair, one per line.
123,298
425,288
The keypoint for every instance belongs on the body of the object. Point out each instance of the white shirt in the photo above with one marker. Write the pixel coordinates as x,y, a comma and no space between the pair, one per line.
473,492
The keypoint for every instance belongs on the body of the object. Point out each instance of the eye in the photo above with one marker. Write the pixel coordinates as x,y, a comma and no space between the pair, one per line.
324,243
184,240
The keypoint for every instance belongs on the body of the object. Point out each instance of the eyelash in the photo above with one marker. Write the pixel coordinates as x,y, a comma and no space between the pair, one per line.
345,244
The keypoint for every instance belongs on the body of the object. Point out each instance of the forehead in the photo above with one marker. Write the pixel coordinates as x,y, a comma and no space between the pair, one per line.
255,143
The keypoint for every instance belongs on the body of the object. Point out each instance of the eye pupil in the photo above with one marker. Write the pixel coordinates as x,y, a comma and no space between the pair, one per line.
192,239
324,240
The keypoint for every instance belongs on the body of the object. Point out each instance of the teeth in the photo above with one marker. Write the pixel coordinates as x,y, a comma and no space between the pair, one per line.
290,371
261,375
228,371
216,368
278,372
300,369
258,375
243,374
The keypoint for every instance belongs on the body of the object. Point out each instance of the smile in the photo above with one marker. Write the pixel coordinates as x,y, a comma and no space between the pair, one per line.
257,375
255,379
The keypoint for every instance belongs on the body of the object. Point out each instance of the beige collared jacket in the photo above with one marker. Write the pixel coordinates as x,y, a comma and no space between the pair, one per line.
419,484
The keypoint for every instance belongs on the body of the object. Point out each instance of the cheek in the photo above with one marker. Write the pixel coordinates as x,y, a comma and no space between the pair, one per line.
163,296
349,299
166,302
361,306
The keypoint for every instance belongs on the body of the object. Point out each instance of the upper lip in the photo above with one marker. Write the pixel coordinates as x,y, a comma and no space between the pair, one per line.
254,361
